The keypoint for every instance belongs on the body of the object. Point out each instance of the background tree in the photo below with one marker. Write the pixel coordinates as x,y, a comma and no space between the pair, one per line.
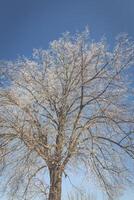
69,105
80,196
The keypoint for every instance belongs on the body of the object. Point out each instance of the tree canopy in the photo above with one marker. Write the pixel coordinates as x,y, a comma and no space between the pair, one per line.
70,105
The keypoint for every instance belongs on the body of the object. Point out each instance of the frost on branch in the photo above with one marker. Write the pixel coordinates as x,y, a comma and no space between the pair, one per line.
68,106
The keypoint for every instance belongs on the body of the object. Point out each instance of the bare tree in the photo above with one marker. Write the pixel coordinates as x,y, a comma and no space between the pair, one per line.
80,196
69,105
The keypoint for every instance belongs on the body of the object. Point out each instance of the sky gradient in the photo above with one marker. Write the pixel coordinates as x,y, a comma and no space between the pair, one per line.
28,24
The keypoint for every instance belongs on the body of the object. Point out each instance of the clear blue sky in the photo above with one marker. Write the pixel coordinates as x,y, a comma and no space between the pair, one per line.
28,24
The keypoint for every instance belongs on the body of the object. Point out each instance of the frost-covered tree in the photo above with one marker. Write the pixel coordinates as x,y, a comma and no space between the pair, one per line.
70,105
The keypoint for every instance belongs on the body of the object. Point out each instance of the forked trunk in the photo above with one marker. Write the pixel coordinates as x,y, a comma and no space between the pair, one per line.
55,184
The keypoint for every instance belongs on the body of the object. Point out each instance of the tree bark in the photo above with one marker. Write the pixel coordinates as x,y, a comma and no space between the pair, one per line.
55,184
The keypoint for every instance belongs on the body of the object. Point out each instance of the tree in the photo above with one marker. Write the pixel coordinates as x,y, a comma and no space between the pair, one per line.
80,196
70,104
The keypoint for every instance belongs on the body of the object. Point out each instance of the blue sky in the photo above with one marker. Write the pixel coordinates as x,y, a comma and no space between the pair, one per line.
28,24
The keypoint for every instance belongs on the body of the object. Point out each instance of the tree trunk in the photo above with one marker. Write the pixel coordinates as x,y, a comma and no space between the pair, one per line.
55,184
